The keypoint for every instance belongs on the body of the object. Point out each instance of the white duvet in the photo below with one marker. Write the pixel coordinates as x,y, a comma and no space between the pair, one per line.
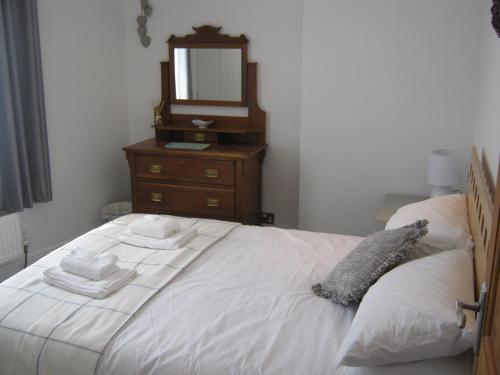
245,307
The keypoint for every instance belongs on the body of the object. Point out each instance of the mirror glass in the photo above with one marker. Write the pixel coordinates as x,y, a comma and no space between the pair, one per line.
208,74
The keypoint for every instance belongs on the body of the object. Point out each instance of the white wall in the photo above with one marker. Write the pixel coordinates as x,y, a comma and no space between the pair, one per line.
382,84
274,31
83,51
487,131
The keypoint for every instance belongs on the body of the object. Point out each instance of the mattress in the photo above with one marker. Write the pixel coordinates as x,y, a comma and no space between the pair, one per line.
245,307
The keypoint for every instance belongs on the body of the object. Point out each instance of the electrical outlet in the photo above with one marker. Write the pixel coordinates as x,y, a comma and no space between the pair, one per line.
267,218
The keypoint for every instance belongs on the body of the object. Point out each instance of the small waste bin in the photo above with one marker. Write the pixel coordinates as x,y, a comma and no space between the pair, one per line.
114,210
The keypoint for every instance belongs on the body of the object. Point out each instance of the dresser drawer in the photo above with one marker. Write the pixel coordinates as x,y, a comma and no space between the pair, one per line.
191,200
200,137
214,172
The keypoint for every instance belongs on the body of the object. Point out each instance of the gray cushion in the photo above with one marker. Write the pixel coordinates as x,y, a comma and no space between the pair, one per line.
378,253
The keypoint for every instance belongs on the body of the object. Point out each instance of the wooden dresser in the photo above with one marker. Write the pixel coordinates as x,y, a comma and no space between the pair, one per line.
223,181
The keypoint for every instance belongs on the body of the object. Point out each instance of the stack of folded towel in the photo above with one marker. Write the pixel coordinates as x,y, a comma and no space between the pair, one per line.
89,264
157,232
88,273
155,226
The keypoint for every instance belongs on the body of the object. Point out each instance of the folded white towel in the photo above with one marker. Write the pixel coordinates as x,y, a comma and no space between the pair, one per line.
177,241
80,285
155,226
84,253
96,268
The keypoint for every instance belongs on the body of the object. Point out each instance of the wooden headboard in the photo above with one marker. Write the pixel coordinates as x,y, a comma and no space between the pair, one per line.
484,219
480,207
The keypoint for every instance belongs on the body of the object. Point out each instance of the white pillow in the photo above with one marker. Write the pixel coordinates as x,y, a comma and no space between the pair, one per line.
409,314
448,223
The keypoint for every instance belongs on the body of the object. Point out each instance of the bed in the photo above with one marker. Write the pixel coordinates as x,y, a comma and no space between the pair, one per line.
244,306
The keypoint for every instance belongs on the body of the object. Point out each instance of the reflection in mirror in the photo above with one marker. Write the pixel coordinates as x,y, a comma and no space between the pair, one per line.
208,74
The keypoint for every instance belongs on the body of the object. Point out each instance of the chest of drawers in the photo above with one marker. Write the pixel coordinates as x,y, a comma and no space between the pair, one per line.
223,182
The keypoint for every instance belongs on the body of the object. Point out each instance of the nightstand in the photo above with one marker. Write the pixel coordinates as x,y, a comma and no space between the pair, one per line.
392,202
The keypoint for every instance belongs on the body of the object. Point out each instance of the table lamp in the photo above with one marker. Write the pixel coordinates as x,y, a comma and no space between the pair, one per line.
443,172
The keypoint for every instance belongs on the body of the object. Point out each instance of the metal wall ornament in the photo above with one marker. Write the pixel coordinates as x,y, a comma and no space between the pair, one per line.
495,16
142,20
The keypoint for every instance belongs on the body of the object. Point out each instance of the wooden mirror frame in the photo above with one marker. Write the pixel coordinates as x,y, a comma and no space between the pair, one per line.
209,37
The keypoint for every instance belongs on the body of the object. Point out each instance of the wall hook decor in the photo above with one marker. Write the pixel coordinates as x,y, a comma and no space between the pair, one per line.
495,16
142,20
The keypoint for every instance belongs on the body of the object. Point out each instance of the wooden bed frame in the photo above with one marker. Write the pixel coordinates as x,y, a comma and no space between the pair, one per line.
484,213
480,208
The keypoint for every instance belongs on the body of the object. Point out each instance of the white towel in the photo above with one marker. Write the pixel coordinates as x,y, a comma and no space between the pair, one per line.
80,285
84,253
155,226
96,268
177,241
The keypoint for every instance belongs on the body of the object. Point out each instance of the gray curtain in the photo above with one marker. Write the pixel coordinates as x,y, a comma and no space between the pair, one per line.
24,154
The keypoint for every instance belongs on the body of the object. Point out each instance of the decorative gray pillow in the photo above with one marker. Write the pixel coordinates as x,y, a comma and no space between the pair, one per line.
377,254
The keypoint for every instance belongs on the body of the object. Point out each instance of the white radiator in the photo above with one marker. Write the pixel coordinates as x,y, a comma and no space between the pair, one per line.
11,237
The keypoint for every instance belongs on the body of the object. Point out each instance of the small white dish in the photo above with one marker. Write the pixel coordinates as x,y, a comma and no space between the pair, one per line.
202,124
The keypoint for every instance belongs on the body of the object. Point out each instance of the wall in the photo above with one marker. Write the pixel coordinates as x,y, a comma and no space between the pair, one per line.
487,131
274,31
382,84
83,50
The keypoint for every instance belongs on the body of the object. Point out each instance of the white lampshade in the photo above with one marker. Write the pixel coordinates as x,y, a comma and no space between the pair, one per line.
443,168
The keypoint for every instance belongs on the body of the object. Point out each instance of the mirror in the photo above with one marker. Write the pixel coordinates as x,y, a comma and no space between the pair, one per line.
208,68
212,74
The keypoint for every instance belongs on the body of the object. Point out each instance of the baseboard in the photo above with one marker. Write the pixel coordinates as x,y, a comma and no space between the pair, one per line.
14,266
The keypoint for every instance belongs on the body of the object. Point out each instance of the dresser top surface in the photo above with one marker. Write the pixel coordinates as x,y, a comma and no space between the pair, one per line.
233,151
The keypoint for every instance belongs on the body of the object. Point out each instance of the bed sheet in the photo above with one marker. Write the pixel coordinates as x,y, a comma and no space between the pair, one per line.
245,307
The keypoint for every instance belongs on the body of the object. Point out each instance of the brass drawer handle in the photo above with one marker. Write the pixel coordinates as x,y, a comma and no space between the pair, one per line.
199,137
157,197
211,173
155,168
212,202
